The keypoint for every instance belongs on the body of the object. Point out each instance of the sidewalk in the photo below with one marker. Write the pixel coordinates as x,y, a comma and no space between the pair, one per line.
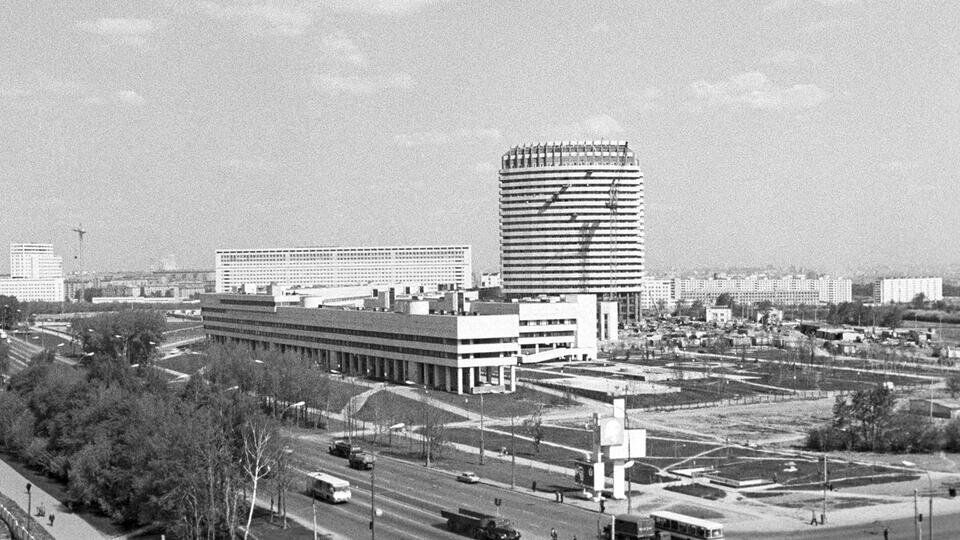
67,525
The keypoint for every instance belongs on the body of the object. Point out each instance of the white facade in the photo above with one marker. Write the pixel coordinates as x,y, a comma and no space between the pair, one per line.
489,280
571,221
785,291
719,315
659,290
31,290
456,353
34,261
903,290
448,266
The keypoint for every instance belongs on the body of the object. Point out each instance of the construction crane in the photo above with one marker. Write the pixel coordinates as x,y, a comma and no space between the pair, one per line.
80,232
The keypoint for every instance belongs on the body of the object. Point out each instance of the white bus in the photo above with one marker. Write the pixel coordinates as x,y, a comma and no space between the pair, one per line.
674,526
329,488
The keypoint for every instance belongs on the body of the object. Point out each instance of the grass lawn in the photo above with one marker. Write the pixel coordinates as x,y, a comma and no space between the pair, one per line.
695,511
525,374
340,393
265,527
184,363
523,402
699,490
388,408
180,325
493,442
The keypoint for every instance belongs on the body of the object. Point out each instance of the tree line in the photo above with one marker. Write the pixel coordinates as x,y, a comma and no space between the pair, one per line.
186,458
869,421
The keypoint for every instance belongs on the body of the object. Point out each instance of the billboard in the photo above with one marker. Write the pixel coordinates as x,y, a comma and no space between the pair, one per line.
583,473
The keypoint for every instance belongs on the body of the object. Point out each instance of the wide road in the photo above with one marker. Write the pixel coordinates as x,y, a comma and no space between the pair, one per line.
946,527
411,497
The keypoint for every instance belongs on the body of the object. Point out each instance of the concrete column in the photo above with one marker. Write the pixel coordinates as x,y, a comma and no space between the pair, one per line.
471,380
619,492
436,376
513,378
459,380
500,375
446,378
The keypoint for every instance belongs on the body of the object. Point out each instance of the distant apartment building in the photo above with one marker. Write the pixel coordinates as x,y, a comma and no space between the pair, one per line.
902,290
719,315
446,266
36,274
490,280
782,291
35,261
658,292
571,221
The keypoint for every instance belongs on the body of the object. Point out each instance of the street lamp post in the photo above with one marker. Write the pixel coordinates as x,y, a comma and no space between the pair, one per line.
481,427
913,465
374,512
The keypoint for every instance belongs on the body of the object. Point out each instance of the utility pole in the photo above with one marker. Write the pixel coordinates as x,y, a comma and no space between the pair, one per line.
481,427
313,505
916,517
513,457
823,514
373,503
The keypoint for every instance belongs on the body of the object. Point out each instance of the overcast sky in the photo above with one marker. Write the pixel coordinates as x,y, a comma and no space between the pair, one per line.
820,133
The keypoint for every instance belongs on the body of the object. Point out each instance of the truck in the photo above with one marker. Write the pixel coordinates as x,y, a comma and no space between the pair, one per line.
342,448
629,527
362,460
480,525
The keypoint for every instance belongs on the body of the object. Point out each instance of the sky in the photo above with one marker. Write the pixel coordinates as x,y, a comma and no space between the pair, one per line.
821,133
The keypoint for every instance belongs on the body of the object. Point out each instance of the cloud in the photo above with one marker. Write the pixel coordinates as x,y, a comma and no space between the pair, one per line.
602,125
261,19
257,164
378,7
334,84
124,31
127,97
649,99
791,57
340,47
754,90
436,138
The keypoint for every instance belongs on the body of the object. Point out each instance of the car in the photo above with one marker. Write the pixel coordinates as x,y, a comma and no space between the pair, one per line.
468,477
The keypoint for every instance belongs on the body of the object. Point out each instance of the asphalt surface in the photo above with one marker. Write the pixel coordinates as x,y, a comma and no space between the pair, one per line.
411,497
945,527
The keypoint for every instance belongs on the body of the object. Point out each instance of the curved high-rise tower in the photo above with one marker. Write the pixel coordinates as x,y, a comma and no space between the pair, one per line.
571,221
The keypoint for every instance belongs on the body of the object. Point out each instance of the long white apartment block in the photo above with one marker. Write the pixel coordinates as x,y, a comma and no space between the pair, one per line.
782,291
571,221
448,266
34,261
33,290
902,290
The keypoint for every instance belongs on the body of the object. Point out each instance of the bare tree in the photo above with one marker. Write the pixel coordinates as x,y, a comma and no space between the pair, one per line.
259,451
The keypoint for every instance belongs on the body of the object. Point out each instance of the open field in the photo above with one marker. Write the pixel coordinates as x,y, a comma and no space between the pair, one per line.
387,408
524,402
699,490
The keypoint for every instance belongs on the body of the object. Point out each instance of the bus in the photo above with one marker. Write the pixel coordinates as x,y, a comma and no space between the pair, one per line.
674,526
629,527
329,488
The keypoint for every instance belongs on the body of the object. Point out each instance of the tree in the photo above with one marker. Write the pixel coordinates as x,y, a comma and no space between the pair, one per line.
132,334
953,385
919,301
10,310
725,299
259,452
534,427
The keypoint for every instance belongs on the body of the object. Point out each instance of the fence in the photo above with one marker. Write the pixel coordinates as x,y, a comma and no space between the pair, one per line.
22,526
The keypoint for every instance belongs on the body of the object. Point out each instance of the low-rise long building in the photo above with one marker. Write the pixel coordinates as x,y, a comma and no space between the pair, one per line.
783,291
448,342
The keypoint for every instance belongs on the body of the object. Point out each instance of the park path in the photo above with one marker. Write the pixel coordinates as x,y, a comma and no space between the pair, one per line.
355,403
67,525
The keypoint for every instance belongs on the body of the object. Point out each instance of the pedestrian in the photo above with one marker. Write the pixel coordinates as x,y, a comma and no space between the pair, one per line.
561,496
534,486
813,517
51,520
886,533
553,534
556,495
603,506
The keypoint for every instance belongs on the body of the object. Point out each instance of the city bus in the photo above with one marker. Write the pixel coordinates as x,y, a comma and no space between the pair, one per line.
674,526
329,488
